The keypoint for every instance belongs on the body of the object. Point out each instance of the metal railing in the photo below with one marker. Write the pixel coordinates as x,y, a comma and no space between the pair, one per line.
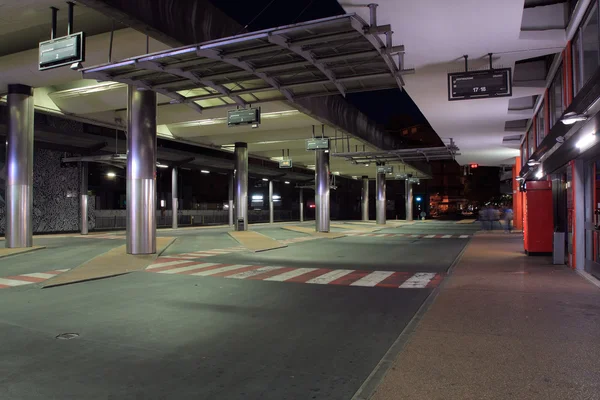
206,218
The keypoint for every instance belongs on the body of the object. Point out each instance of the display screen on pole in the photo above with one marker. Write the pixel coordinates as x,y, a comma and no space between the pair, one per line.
243,116
62,51
480,84
383,169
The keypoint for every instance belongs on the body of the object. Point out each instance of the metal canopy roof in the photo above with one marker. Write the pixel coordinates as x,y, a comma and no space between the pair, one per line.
403,156
341,54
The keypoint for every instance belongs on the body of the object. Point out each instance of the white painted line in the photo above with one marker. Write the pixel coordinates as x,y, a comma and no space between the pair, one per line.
330,276
13,282
247,274
290,274
41,275
188,268
429,236
63,270
372,279
193,255
218,270
446,236
415,236
464,236
167,264
418,280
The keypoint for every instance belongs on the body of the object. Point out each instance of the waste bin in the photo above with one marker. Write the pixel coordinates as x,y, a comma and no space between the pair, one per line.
558,248
240,224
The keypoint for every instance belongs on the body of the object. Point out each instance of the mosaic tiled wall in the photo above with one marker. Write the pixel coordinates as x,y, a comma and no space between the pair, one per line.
55,194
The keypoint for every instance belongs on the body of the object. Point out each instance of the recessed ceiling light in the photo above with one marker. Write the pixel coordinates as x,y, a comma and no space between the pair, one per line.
204,171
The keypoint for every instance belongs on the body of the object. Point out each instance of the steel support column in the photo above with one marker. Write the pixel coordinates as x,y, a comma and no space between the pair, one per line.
322,190
19,162
364,200
241,186
301,205
141,171
271,202
381,200
230,199
174,198
409,199
83,198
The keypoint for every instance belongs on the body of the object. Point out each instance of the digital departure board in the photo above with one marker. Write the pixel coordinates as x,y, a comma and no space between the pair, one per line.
285,163
62,51
480,84
317,144
243,116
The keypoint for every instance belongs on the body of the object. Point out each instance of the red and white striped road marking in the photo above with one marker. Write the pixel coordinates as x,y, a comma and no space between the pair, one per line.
411,235
316,276
28,279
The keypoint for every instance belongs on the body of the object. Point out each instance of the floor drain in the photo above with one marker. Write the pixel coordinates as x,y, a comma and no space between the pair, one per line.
67,336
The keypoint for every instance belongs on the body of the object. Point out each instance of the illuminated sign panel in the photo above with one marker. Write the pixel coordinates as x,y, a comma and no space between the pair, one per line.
480,84
243,116
62,51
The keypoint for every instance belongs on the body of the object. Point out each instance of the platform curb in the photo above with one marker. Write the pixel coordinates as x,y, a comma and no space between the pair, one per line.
370,385
29,250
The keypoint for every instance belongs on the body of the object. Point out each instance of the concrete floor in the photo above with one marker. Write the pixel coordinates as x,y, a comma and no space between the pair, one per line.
159,336
504,326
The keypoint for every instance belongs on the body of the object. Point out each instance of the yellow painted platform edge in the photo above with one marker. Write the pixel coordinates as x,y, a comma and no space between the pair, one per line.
259,250
28,250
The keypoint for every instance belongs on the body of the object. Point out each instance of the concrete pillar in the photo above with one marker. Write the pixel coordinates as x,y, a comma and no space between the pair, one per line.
301,205
230,199
270,202
19,162
364,200
241,185
174,197
83,198
322,191
409,199
141,171
381,200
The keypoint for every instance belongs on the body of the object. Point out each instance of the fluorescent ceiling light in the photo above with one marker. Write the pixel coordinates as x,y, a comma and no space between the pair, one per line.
276,197
533,163
265,179
204,171
111,174
279,114
287,182
585,141
572,117
257,197
159,165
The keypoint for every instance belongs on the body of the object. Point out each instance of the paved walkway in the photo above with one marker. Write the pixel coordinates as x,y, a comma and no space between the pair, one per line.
504,326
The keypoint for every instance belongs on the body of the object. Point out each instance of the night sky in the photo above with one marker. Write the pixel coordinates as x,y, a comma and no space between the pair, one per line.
380,106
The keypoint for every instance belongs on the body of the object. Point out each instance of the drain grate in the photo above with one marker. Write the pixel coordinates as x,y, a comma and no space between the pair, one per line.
67,336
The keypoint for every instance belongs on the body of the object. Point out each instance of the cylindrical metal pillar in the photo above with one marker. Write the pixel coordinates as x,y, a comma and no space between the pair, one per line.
141,171
381,200
322,191
241,186
271,202
364,201
174,198
301,205
19,162
409,200
83,198
230,199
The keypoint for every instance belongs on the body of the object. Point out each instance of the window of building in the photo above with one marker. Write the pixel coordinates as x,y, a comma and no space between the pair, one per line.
531,142
523,151
586,49
556,101
540,123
